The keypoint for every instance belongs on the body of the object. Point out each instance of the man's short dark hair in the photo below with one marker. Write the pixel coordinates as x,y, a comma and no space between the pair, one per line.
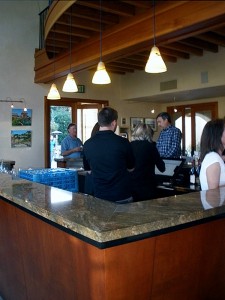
106,116
165,116
70,125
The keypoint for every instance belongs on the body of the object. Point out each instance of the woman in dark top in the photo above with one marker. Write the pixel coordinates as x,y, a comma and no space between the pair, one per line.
146,158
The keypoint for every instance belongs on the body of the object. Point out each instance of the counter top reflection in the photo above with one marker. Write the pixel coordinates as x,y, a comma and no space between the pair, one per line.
102,222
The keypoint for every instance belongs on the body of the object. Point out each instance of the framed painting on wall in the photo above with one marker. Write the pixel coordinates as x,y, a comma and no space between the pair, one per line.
21,138
151,122
135,121
123,121
21,117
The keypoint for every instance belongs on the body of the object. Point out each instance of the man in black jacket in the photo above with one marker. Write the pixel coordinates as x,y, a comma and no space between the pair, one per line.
110,159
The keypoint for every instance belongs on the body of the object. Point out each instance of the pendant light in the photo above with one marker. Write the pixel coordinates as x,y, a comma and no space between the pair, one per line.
101,76
53,92
155,63
70,85
175,109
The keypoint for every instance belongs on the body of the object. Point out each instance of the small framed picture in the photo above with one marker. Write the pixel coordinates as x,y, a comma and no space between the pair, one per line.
123,121
21,138
21,117
135,121
152,123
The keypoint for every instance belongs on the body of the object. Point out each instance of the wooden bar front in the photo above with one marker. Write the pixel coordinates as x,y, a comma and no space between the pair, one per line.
41,261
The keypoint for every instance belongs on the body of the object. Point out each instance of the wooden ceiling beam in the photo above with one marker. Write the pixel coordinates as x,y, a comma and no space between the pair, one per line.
115,7
132,63
78,11
136,58
184,48
201,44
212,38
122,67
184,20
142,4
175,53
123,64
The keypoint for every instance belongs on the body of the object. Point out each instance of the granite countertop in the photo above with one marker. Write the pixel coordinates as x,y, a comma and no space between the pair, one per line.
7,161
68,159
103,221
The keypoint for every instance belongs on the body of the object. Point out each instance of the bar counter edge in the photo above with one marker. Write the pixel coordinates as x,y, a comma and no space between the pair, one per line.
103,223
51,246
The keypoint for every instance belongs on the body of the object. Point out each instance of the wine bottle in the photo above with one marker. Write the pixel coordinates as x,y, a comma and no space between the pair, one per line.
197,171
192,173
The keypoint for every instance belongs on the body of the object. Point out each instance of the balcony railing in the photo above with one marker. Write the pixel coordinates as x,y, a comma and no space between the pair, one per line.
42,18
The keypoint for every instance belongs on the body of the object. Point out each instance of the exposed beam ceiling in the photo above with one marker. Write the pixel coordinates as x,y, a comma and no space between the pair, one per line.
183,29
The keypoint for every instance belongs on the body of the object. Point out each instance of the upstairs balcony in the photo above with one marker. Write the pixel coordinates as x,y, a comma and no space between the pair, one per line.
70,34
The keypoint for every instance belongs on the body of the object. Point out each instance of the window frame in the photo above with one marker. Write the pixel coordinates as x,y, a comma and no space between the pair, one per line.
194,108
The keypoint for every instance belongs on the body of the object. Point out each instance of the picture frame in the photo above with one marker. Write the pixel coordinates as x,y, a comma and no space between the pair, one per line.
123,121
21,138
134,121
21,117
151,122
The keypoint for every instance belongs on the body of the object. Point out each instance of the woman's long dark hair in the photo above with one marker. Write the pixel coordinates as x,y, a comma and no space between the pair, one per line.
211,137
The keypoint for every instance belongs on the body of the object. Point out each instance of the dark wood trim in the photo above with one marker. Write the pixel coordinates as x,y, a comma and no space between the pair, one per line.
210,106
74,103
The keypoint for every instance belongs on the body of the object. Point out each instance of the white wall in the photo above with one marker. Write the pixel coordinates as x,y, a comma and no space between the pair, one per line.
19,29
19,32
186,72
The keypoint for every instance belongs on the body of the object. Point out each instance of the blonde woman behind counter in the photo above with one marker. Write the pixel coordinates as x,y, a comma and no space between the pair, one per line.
146,158
212,145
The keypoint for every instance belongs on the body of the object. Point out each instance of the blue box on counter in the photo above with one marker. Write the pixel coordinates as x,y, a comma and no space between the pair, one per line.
65,179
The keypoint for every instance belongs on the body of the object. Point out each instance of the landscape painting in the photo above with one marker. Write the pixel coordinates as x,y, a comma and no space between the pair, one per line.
21,138
21,117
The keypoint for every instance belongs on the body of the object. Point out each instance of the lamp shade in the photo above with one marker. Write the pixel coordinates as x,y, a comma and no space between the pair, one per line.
53,93
70,85
101,76
155,63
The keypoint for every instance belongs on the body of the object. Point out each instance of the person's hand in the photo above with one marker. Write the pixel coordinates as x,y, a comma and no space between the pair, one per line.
78,149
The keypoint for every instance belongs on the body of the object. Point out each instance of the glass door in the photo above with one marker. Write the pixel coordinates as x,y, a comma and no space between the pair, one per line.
58,115
191,119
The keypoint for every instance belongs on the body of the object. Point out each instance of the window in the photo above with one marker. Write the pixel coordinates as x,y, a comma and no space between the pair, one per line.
59,113
191,119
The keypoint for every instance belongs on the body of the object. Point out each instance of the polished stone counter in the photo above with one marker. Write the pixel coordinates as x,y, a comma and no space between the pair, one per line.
102,222
7,164
64,162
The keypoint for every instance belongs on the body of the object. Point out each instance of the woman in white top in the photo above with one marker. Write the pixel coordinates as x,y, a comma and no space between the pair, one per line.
212,145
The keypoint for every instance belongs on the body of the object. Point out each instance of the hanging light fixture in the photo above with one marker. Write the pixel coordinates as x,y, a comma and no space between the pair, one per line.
70,85
9,100
175,109
101,76
155,63
53,92
25,104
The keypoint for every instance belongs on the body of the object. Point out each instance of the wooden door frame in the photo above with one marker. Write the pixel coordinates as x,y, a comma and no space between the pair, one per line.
74,103
212,106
